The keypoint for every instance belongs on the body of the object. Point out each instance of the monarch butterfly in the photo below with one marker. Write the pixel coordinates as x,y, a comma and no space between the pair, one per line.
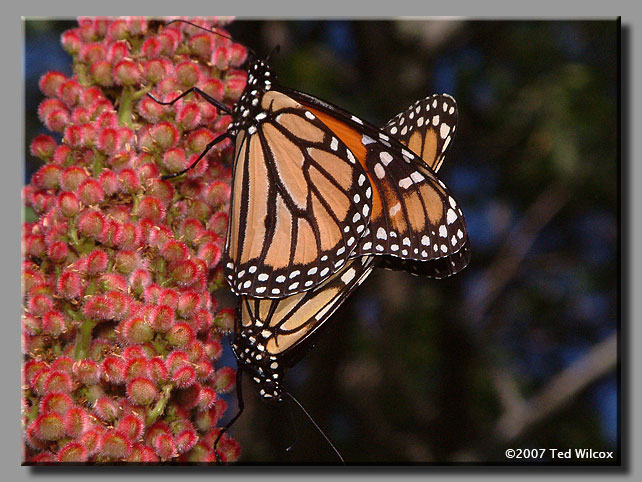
315,186
271,335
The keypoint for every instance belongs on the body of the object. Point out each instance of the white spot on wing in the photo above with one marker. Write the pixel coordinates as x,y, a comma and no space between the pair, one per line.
348,275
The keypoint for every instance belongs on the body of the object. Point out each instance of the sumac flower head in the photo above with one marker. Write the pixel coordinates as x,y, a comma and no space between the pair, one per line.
117,325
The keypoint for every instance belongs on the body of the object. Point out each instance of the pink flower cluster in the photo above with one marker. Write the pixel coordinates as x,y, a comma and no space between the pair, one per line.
121,325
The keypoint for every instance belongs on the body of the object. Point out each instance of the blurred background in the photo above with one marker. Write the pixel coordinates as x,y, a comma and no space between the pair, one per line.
520,349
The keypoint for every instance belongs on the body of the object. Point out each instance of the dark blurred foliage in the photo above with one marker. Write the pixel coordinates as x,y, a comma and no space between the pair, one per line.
418,370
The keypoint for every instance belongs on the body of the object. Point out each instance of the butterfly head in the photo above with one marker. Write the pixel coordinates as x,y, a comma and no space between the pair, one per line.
260,79
264,369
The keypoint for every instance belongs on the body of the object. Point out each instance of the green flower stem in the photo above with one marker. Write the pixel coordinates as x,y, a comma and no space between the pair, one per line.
159,408
83,339
126,106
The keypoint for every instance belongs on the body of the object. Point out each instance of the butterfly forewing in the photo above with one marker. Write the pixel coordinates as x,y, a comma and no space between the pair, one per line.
300,202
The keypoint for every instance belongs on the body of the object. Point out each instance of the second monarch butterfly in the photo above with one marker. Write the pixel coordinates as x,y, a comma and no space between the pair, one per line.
315,186
271,335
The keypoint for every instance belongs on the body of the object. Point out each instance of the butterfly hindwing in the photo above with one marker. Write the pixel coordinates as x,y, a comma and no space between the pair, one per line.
427,128
300,202
414,217
272,334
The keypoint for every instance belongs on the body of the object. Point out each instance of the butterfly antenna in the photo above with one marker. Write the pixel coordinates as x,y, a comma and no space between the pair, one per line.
207,30
317,426
296,433
241,406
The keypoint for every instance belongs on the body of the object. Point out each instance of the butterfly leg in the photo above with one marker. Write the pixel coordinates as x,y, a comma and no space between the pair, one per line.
241,406
220,138
198,91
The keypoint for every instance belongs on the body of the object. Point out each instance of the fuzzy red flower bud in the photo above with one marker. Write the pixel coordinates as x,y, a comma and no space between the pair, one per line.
72,177
164,446
129,181
62,155
70,285
39,305
218,223
157,370
91,224
221,58
136,368
72,452
132,426
69,92
228,449
97,262
224,379
50,83
56,402
152,208
184,272
141,391
201,45
108,141
49,426
198,140
58,252
150,48
235,84
180,335
115,445
56,120
127,262
106,409
137,330
43,147
151,110
112,369
91,192
139,279
184,377
224,319
68,204
117,51
101,73
130,236
113,282
71,41
165,135
188,74
86,371
189,116
91,439
54,323
126,72
213,349
63,364
58,381
76,422
210,253
174,251
202,320
238,55
162,318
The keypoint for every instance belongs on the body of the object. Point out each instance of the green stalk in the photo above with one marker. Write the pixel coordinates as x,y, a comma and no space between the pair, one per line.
125,107
83,339
159,408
